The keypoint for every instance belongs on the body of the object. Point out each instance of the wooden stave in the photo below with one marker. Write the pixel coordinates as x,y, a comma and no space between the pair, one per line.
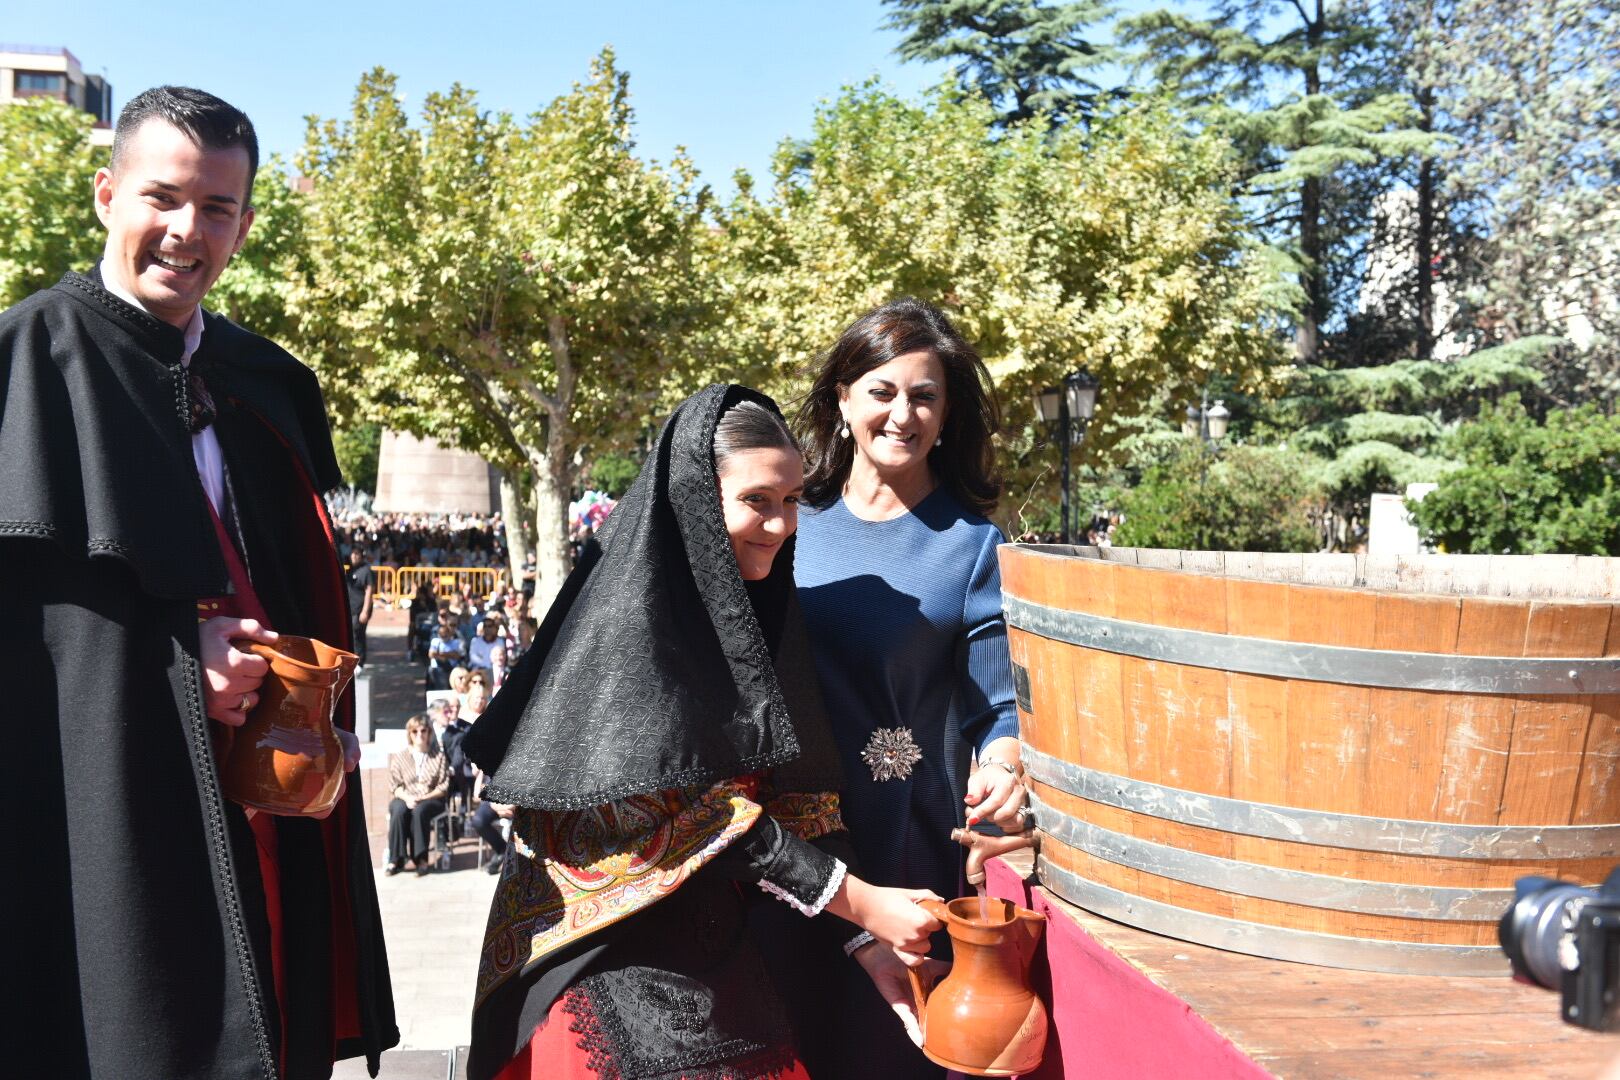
1592,793
1350,863
1234,899
1384,669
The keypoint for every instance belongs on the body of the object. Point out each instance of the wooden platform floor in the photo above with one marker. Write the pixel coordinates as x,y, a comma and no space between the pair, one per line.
1300,1022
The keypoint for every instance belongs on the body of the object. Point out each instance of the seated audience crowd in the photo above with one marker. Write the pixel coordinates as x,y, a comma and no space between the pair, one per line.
480,637
422,539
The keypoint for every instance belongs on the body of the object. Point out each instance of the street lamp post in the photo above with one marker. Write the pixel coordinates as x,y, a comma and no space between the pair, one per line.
1208,424
1068,410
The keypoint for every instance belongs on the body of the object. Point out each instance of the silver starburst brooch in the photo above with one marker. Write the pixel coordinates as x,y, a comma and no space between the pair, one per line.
890,753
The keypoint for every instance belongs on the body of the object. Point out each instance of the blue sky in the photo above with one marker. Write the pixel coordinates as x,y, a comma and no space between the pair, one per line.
728,79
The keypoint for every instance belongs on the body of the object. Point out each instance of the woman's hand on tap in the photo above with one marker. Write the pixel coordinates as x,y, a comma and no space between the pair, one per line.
994,793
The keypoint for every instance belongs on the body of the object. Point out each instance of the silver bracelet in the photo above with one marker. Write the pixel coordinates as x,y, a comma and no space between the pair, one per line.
859,941
985,763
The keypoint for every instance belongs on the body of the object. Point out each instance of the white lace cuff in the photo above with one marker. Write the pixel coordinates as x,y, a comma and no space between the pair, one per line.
828,891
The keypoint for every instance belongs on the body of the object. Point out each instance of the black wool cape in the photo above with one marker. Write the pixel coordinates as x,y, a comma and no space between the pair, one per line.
137,942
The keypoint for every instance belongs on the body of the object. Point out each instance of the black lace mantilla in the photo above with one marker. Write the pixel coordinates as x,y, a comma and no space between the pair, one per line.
651,670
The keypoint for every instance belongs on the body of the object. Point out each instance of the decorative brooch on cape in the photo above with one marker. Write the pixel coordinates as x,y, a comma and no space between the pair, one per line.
203,411
890,754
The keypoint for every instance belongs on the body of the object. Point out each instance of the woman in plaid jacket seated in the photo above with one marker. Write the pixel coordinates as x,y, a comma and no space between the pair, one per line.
419,777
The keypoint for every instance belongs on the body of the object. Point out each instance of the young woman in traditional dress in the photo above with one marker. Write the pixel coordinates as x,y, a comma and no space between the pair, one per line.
665,744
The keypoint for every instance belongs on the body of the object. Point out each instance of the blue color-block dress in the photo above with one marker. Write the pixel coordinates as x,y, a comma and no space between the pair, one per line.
905,624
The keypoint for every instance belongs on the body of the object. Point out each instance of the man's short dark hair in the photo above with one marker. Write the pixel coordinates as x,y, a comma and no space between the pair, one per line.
207,121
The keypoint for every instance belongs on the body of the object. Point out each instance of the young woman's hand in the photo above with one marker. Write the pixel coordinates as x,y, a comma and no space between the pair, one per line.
893,916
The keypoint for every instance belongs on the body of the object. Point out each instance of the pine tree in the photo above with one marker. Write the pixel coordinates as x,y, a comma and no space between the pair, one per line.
1381,427
1024,56
1416,310
1532,95
1292,82
1513,212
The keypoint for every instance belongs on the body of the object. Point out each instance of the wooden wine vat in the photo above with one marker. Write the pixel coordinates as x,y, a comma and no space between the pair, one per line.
1325,758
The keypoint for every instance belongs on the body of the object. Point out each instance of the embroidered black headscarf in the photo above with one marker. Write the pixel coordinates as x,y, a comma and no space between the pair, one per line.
657,666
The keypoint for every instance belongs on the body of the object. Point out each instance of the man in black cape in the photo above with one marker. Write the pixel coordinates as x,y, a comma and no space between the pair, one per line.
161,498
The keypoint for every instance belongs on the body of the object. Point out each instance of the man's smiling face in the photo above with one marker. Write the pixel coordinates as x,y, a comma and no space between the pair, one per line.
175,214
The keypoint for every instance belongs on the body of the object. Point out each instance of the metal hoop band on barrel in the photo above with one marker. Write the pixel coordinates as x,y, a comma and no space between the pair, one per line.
1272,882
1397,836
1301,946
1390,669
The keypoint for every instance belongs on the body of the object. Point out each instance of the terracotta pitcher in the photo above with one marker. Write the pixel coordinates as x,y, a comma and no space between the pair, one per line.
983,1018
287,759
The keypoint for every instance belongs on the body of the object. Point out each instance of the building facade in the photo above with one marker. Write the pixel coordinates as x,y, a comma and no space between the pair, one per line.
29,71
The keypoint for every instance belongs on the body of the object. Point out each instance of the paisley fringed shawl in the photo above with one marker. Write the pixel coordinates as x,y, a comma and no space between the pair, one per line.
573,873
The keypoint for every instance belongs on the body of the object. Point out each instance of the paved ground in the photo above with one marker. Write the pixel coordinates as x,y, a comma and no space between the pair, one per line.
434,924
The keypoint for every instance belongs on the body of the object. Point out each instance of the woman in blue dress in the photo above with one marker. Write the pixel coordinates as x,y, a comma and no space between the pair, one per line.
901,593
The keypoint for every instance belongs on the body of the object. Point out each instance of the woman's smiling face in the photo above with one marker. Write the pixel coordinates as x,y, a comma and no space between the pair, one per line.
759,493
895,412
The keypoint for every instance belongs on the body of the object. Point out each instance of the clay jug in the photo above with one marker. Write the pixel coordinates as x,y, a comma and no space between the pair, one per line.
287,759
983,1019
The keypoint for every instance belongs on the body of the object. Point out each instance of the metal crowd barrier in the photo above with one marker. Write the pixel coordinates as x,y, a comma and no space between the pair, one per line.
384,584
447,581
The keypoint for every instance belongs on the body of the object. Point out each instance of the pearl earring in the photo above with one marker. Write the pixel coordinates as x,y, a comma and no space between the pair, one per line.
843,432
939,441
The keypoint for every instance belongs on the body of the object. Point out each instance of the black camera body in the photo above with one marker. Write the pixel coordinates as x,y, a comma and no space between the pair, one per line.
1567,938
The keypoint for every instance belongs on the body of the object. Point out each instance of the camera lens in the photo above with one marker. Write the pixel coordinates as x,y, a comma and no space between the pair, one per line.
1531,932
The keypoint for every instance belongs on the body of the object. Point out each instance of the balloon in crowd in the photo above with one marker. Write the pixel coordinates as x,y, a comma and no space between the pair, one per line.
590,510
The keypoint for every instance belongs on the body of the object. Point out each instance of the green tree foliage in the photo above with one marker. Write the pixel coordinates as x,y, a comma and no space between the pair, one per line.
1413,236
1286,79
1116,245
1527,488
1249,498
255,288
518,287
358,448
1025,56
614,473
1380,428
1508,229
47,214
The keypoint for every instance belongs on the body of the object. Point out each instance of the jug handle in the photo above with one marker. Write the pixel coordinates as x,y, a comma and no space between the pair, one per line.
923,984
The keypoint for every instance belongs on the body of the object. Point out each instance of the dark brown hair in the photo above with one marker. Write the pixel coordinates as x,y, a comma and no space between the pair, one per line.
965,461
211,124
746,426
